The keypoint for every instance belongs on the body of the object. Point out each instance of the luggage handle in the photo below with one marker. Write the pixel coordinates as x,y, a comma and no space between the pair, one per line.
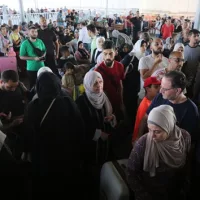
120,169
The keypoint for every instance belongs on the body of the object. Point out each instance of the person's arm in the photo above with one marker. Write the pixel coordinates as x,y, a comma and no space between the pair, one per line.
57,48
162,28
17,121
135,171
23,54
80,35
172,29
145,73
30,58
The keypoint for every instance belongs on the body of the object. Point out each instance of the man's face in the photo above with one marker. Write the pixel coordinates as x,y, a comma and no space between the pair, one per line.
9,86
89,33
43,22
108,57
194,38
168,21
4,30
153,90
78,26
168,92
157,46
33,33
176,61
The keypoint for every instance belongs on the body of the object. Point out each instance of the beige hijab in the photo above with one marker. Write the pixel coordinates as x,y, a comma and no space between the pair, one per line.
171,151
98,100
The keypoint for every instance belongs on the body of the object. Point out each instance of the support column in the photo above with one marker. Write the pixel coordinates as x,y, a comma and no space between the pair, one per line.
106,8
21,10
197,17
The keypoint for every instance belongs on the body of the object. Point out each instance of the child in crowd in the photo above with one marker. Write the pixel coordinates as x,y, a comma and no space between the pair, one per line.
65,57
69,81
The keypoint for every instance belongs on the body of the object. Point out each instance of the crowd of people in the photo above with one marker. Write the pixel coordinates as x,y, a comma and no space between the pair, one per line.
85,97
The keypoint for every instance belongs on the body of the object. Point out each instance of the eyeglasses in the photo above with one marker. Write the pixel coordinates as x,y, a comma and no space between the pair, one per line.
178,59
166,89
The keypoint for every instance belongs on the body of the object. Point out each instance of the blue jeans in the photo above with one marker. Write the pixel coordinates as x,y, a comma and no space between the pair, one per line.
87,46
157,35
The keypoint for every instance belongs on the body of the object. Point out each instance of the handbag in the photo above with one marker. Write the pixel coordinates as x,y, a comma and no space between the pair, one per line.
37,51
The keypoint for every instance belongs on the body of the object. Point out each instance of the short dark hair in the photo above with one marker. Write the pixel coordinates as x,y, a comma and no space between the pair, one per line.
15,27
92,28
31,27
9,75
64,49
193,31
83,23
108,44
69,65
178,79
3,26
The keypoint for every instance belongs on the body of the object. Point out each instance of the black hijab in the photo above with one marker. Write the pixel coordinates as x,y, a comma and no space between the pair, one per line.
48,87
83,52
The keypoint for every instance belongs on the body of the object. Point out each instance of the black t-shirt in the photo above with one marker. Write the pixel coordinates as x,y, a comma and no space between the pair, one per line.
186,113
65,39
136,22
12,101
48,37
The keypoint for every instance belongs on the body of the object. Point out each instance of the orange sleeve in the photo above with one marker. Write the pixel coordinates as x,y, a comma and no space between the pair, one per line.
140,114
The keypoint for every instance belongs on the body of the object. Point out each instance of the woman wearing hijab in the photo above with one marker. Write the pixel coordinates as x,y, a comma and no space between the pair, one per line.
157,164
97,113
131,83
98,116
168,46
54,137
179,47
82,55
97,56
5,40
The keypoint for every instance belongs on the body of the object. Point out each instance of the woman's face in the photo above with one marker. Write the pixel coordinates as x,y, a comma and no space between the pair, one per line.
100,43
98,86
158,134
81,46
180,49
143,47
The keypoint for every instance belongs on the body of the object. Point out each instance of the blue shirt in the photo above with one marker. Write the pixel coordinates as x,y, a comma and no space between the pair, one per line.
186,113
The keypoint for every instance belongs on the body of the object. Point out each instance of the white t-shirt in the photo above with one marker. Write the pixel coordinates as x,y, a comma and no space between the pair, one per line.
159,74
158,26
147,63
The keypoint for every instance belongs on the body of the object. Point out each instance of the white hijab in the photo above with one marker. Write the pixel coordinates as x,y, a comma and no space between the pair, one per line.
173,150
167,44
137,51
177,46
98,100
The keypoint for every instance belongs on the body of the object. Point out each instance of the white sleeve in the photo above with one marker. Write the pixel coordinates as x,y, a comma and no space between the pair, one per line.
142,64
80,36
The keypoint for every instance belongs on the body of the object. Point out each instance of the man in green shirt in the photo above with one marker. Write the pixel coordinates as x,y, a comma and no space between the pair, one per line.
28,53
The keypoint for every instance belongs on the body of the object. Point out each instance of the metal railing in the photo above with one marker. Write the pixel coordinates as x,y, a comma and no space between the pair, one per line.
84,14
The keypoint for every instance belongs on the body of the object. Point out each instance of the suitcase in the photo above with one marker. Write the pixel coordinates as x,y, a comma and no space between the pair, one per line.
113,184
8,62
